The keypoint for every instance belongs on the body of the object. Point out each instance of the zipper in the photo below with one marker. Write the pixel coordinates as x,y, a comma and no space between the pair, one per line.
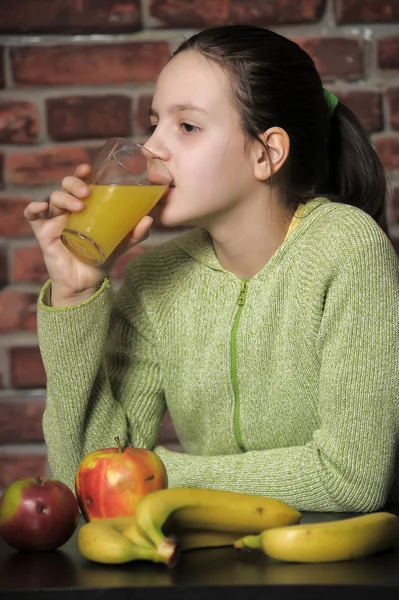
233,362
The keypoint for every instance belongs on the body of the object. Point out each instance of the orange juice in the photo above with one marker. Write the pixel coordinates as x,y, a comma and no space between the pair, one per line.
111,212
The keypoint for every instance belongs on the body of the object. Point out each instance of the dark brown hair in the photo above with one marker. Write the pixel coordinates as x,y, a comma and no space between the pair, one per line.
275,83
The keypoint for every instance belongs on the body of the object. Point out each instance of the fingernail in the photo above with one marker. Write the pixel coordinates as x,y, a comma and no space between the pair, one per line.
79,204
84,190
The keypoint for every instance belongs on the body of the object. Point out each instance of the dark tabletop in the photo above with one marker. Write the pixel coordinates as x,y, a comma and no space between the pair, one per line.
206,573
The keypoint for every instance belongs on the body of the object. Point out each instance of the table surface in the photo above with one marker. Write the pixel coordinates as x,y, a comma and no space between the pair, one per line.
205,573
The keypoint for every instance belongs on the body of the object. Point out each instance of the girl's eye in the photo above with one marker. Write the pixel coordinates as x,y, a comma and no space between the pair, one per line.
152,128
189,128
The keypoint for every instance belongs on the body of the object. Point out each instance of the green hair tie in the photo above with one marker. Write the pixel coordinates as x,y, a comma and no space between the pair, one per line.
331,100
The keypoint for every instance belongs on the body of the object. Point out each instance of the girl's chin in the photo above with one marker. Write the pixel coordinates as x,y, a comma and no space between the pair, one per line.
168,215
168,219
171,222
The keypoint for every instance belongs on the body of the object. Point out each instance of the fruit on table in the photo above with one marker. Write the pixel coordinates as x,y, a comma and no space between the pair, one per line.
38,514
170,520
109,482
332,541
238,515
103,541
234,512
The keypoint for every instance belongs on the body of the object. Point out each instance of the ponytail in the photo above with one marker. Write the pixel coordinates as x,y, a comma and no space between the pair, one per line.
355,173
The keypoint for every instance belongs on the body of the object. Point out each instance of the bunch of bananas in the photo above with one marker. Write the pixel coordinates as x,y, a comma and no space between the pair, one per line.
174,519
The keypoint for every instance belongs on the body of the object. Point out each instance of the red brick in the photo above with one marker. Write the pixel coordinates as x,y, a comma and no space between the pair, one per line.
95,64
70,16
13,222
197,13
335,57
276,12
27,369
44,167
2,75
367,106
21,420
85,117
388,150
3,267
388,53
120,265
393,101
208,13
18,123
17,310
366,11
19,466
142,119
28,265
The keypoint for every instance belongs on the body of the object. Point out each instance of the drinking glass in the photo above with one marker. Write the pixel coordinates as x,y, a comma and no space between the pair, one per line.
127,180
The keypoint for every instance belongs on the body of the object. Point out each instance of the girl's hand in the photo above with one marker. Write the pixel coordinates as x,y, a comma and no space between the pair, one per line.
72,281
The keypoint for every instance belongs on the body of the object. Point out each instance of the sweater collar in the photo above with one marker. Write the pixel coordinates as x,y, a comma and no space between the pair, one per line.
197,243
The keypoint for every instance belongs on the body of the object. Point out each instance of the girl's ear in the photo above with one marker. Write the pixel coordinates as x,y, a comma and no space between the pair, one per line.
272,154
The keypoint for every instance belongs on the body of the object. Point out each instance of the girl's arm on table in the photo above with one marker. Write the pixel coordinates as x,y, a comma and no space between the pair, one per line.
93,391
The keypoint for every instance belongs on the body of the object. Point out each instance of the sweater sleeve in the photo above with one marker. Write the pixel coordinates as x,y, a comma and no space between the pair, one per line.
103,379
349,463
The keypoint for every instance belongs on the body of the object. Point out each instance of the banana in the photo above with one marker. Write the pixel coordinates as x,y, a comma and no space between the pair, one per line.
129,525
99,544
238,516
103,542
345,539
232,511
192,539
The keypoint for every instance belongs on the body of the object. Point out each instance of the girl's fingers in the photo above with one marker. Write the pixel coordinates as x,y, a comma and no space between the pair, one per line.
61,201
139,234
82,170
35,210
142,230
75,186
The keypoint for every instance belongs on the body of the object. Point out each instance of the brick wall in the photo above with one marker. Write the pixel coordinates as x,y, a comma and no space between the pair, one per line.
74,72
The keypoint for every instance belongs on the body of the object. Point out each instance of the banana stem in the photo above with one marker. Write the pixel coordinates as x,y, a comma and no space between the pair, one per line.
167,548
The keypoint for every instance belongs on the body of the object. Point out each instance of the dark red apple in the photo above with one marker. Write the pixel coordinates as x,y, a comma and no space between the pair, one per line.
38,514
109,482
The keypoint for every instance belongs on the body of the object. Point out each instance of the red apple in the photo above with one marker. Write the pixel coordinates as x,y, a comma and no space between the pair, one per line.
38,514
109,482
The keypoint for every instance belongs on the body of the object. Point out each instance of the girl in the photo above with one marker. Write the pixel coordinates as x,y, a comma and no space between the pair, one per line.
270,330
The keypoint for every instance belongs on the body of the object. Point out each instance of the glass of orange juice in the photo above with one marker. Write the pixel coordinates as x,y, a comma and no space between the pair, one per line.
127,180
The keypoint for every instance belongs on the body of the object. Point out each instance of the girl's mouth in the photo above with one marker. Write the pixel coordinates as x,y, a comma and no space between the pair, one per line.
168,191
164,198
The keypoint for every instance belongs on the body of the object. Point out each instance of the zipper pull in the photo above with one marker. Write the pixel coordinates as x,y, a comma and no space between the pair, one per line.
243,293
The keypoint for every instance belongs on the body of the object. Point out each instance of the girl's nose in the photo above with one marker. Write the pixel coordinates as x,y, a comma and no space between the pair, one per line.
157,171
157,147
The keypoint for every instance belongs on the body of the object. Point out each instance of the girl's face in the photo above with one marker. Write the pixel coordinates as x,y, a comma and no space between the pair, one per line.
196,131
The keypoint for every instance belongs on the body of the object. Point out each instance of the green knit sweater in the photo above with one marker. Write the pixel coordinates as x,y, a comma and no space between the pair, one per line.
285,385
